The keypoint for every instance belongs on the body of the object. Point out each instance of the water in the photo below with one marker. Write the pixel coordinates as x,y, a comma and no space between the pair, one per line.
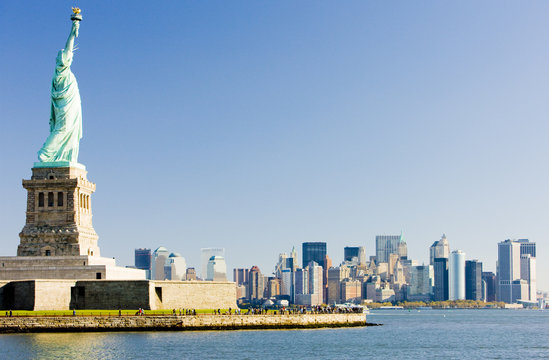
427,334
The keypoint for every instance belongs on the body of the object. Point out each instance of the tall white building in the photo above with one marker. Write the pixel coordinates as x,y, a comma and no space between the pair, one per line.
528,273
456,275
313,295
508,271
440,249
216,269
206,254
286,261
316,280
175,267
528,268
159,257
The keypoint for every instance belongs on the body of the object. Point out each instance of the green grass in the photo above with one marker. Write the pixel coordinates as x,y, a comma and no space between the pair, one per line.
104,312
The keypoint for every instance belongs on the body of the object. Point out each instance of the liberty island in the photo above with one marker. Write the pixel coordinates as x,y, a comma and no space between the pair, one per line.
58,264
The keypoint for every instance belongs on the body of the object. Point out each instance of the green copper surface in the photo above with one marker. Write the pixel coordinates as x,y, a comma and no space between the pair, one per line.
66,110
52,164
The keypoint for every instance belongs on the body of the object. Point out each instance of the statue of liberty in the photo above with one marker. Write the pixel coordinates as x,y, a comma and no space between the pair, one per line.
66,110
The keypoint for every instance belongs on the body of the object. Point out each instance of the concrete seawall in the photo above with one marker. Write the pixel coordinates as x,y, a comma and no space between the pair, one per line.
177,323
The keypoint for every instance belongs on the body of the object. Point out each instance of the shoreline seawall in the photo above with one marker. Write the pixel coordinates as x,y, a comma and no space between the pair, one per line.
177,323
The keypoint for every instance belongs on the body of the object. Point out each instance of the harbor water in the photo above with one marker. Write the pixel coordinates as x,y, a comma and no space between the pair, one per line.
423,334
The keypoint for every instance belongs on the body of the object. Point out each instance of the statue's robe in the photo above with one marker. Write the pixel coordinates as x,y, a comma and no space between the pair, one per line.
66,114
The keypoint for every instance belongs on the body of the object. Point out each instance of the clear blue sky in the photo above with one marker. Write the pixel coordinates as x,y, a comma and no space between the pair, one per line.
259,125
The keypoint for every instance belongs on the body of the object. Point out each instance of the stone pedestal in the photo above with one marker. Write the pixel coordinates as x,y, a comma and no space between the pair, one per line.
59,214
58,240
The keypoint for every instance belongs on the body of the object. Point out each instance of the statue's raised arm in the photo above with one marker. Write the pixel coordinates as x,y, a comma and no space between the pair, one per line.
73,35
61,146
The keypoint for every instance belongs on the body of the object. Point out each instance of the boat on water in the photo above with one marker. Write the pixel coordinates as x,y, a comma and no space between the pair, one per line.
353,308
391,308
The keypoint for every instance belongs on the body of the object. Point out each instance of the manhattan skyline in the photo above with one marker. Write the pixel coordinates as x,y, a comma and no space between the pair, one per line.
258,126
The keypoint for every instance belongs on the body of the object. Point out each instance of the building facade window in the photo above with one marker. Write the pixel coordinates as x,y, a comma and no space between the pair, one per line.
50,199
60,198
41,199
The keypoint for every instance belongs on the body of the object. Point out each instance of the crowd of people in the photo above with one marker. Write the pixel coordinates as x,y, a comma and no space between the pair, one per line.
251,311
292,311
281,311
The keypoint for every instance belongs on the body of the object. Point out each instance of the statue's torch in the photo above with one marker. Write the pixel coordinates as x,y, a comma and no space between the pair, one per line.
76,14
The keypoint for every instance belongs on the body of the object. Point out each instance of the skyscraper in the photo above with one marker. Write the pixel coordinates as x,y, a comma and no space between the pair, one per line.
528,268
287,283
240,276
335,276
402,250
441,279
205,256
527,247
286,261
309,285
456,275
421,284
351,291
216,269
175,267
438,256
490,279
358,252
272,287
325,268
528,273
508,270
159,257
390,244
293,256
314,251
473,280
256,284
143,260
316,283
301,281
439,249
